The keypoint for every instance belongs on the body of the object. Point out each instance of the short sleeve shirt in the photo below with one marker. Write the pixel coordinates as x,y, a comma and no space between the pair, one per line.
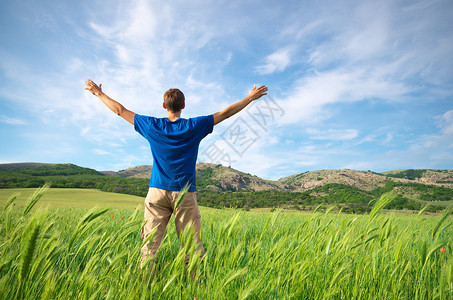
174,147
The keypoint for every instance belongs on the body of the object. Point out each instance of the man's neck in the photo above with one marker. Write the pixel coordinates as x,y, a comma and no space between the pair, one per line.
173,116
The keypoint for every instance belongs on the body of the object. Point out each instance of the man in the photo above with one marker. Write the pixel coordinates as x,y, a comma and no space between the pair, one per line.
174,145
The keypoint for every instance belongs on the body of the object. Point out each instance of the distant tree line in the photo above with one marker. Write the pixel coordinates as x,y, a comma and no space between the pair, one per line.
347,198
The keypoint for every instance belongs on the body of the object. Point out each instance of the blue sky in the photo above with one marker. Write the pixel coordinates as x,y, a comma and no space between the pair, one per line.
365,85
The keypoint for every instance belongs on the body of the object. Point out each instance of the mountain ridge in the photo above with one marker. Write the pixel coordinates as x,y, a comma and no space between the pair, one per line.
216,177
235,180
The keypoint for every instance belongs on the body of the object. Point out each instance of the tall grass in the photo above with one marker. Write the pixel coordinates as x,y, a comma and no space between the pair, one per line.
34,198
95,254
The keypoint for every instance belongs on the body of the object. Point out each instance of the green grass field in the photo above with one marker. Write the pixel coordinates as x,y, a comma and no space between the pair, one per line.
75,198
62,249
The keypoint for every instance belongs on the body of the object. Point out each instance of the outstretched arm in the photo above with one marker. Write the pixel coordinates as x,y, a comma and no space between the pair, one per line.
238,106
114,106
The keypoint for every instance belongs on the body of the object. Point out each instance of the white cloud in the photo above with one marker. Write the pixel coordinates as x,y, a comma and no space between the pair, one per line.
275,62
425,151
355,36
308,99
447,124
101,152
11,121
372,50
333,134
144,23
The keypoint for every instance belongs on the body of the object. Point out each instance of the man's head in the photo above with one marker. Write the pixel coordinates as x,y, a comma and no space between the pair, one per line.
174,100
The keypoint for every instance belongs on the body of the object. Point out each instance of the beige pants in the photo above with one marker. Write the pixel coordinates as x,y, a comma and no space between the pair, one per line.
159,205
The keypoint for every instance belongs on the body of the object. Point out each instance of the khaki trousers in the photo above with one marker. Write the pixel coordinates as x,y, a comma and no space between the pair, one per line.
159,205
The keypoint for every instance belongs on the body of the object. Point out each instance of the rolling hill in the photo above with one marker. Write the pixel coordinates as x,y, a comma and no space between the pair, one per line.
216,183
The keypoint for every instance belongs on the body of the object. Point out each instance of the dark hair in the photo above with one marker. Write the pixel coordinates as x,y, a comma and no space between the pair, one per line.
174,100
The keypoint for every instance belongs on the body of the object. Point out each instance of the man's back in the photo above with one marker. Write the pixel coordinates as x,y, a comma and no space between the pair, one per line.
174,146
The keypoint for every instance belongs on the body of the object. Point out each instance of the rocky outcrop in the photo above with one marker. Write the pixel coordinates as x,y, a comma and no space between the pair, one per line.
134,172
223,178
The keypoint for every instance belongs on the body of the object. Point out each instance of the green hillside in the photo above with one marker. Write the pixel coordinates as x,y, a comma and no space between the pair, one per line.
70,176
219,186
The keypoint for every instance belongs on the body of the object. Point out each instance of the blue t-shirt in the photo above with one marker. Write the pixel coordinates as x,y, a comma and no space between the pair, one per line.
174,146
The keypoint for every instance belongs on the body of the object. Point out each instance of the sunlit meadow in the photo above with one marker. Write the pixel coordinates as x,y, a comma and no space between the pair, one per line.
79,253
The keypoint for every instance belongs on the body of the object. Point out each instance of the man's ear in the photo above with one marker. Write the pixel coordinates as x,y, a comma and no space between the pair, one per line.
183,106
163,104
